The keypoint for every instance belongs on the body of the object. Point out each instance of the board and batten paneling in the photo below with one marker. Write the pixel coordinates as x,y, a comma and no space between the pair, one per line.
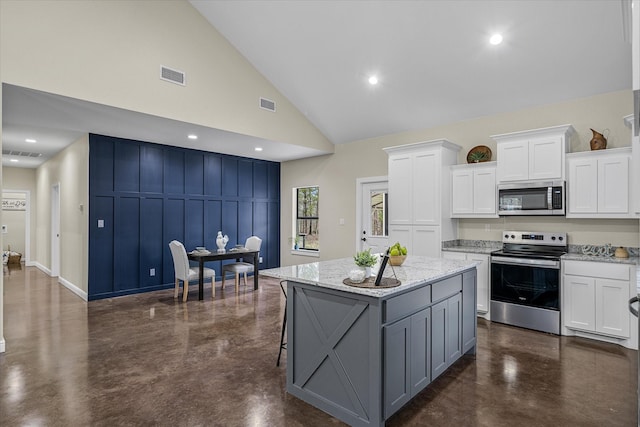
148,194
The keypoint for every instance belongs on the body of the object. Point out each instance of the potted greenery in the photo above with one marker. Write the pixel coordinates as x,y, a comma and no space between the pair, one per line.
366,260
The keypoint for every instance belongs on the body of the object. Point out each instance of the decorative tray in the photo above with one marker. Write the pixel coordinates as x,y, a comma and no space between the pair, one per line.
479,153
386,282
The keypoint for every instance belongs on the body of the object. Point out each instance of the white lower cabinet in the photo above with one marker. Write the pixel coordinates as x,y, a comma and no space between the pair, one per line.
595,297
483,279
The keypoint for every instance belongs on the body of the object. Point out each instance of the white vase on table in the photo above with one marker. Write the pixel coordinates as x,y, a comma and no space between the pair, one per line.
221,242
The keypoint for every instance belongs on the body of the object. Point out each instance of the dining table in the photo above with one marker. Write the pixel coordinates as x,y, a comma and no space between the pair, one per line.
235,253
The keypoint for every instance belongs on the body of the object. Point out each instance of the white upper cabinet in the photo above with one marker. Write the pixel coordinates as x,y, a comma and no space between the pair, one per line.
419,182
599,184
419,195
473,190
533,155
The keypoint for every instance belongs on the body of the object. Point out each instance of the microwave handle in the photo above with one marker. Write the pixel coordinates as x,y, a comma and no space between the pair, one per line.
549,197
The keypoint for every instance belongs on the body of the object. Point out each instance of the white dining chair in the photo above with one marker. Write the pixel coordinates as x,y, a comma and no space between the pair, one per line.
186,273
253,243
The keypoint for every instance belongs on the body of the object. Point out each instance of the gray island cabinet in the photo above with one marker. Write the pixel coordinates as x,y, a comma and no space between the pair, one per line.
360,354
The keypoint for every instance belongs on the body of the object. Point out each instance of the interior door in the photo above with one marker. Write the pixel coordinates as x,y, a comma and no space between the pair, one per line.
375,212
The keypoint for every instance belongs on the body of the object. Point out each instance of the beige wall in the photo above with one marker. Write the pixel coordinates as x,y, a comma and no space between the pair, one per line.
70,169
15,222
23,179
110,52
336,174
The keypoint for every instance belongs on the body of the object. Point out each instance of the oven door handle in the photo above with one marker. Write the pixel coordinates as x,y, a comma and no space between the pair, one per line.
526,262
632,309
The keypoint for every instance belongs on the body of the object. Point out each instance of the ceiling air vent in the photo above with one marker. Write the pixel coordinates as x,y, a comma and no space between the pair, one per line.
20,153
173,76
267,104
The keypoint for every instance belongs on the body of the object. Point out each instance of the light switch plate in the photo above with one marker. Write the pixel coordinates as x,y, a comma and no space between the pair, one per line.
101,223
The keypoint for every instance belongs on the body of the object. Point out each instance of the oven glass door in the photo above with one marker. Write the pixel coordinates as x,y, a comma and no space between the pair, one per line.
527,283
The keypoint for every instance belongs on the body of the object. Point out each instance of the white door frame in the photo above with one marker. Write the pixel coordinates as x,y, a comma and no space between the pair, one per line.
360,182
27,225
55,230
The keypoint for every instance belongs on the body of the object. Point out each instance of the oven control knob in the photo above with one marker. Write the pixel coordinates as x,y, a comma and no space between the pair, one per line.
513,236
560,238
553,237
506,236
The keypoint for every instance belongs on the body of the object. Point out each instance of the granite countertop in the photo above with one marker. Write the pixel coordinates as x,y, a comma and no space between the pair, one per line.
572,256
471,246
575,251
415,271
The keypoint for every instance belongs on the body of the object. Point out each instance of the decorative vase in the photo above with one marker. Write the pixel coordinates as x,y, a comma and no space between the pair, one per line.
367,272
221,242
598,142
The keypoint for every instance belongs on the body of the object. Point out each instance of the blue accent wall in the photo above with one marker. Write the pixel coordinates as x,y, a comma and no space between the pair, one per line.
149,194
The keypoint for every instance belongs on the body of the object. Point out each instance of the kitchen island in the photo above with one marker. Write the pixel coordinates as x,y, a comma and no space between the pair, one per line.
360,354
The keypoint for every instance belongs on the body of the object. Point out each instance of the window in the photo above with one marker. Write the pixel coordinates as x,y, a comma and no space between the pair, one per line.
306,222
379,224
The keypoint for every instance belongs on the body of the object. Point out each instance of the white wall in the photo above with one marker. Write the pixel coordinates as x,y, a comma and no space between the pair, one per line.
70,169
23,179
337,173
15,222
110,52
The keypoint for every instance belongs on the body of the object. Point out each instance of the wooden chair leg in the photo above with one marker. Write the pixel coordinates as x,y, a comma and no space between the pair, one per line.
245,279
213,287
237,281
223,276
175,293
185,290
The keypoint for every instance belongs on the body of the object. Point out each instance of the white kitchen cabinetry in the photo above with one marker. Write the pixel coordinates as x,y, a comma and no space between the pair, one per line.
533,155
419,195
473,190
423,240
483,279
595,298
599,184
635,165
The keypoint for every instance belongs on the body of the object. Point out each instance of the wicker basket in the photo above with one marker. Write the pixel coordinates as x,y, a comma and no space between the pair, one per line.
397,260
14,259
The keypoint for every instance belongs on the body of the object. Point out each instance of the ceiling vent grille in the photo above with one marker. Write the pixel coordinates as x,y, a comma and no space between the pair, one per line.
173,76
20,153
267,104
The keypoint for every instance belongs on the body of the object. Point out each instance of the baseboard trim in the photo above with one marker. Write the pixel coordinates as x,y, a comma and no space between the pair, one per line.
42,268
73,288
2,346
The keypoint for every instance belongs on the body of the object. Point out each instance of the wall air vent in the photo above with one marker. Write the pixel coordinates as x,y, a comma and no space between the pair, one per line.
20,153
173,76
268,104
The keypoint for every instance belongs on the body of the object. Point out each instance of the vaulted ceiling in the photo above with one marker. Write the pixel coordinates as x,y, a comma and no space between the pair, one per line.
433,62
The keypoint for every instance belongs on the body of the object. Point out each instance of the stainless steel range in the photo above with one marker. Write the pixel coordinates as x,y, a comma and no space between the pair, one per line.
525,280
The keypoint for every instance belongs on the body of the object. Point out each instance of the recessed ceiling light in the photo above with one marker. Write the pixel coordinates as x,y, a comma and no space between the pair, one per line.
373,80
192,136
495,39
30,140
13,160
258,148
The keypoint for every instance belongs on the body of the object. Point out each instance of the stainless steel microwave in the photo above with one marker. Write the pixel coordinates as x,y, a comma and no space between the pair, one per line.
531,198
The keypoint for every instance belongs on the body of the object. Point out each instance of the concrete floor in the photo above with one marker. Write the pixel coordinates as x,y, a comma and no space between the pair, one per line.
148,359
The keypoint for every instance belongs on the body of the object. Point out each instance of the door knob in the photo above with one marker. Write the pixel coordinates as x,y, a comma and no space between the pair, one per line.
364,239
